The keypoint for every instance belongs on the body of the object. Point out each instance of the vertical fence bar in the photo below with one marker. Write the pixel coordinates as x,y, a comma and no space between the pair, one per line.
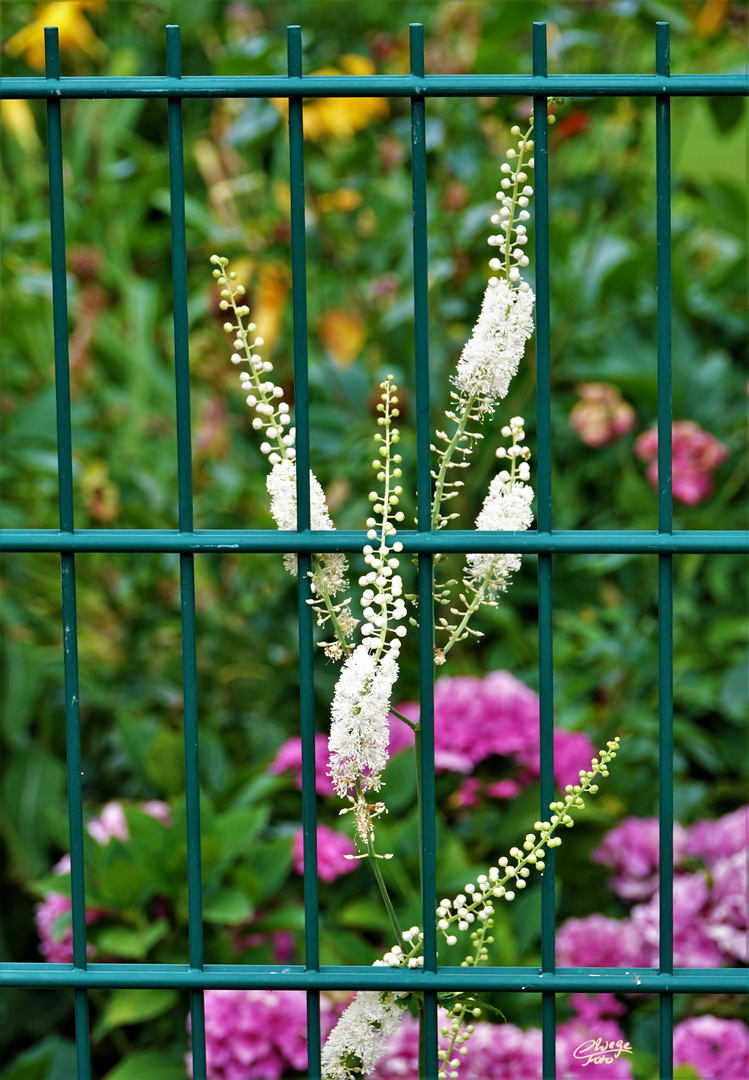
665,562
425,744
67,561
186,561
306,644
545,597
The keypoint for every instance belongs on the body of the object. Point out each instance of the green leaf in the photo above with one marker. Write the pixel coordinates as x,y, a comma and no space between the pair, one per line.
150,1064
364,913
51,1059
133,1007
130,944
227,907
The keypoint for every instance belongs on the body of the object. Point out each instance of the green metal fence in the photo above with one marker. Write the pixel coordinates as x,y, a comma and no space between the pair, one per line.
187,541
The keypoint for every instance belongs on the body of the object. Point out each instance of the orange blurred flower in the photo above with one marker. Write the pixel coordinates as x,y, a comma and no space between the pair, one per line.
345,199
75,31
339,117
342,334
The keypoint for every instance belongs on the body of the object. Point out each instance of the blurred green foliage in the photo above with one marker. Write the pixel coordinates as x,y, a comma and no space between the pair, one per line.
360,328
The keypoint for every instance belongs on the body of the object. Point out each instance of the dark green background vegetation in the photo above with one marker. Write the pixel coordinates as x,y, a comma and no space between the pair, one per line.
359,261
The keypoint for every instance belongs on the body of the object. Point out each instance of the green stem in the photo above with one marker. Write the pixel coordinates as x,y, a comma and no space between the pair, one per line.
325,596
385,894
411,724
447,458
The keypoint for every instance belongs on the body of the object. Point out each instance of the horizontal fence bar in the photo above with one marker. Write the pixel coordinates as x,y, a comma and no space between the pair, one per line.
353,86
294,977
565,541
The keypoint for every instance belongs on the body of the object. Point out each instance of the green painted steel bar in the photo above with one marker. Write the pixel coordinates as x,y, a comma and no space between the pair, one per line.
665,562
543,496
562,541
186,561
295,977
306,644
353,86
425,744
67,560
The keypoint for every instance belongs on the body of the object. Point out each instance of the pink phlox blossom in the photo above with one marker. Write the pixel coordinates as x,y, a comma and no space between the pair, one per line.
290,757
53,918
257,1034
601,415
496,1051
467,795
332,849
728,917
692,945
598,941
721,838
112,825
582,1047
591,1007
498,715
631,850
717,1049
243,937
695,456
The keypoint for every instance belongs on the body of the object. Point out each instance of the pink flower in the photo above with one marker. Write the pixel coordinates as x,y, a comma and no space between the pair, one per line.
496,1051
695,456
597,941
290,757
257,1034
692,945
717,1049
719,839
53,918
728,917
332,849
111,823
498,715
591,1007
632,851
582,1047
601,415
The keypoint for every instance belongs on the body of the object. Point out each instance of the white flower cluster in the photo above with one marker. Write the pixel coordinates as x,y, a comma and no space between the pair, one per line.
360,1037
491,357
507,508
359,730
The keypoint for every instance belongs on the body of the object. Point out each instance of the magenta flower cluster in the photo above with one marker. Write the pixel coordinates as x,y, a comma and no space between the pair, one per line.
53,916
710,911
475,719
506,1052
332,851
695,456
258,1034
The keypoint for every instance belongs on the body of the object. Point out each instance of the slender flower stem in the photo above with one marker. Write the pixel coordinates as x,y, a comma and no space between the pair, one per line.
400,716
439,487
384,893
324,594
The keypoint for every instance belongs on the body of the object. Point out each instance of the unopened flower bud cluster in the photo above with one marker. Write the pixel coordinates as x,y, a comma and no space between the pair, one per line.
514,195
272,421
382,600
474,907
272,416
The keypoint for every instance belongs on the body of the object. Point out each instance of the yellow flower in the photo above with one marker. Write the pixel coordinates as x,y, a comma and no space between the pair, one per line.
75,31
342,334
339,117
345,199
18,119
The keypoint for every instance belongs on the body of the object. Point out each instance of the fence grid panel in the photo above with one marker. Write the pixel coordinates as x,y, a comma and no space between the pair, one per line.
423,541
